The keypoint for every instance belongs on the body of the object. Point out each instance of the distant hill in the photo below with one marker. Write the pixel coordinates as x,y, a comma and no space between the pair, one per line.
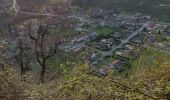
157,8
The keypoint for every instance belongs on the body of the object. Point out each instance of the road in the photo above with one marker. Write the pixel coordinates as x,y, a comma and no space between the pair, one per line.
106,53
37,14
126,40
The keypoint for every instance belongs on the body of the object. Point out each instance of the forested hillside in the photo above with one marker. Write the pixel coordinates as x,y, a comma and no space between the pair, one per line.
157,8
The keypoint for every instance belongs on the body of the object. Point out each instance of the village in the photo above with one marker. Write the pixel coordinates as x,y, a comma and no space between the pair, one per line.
111,38
117,39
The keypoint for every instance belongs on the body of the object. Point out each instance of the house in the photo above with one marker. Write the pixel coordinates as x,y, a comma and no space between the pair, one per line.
116,35
162,5
93,57
139,39
153,26
132,46
122,52
103,71
150,39
104,44
129,47
125,34
129,51
117,64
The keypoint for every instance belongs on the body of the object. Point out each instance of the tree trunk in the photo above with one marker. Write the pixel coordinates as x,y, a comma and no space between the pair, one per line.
22,72
42,74
22,67
2,66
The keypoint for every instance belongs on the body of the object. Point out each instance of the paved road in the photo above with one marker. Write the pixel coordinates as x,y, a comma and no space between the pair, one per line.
126,40
106,53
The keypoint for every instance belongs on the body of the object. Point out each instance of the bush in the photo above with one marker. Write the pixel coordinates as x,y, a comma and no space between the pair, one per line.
11,87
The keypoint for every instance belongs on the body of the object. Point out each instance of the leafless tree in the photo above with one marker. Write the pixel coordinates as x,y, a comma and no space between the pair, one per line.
45,46
2,66
22,56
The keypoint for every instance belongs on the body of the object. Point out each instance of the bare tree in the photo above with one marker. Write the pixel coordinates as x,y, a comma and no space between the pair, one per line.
2,66
22,56
45,46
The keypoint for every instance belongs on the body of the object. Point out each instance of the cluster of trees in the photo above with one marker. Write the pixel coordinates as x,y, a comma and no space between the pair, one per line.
36,43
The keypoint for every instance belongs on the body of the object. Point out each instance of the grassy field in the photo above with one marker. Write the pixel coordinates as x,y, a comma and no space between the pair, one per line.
106,30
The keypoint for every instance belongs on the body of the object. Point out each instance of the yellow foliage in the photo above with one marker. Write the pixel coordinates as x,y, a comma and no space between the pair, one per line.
151,82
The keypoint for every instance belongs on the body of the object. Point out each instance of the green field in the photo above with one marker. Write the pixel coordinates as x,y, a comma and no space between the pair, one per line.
105,31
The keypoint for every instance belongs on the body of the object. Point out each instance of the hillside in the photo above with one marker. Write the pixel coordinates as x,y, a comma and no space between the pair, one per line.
156,8
150,82
7,14
85,50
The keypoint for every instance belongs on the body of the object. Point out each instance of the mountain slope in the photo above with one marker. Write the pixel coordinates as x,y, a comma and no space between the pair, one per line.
157,8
